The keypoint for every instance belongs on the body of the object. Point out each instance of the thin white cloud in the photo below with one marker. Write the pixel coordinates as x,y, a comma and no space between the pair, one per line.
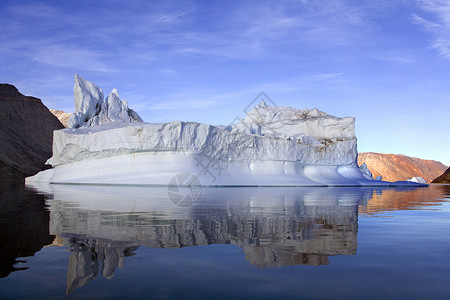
55,54
168,72
189,100
65,56
183,104
34,32
393,57
250,32
171,18
426,23
160,33
437,23
442,45
302,82
34,10
43,88
320,23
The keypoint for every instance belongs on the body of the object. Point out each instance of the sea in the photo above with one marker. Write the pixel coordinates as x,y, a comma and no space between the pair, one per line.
127,242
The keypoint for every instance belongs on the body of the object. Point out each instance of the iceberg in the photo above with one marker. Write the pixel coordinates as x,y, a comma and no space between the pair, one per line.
108,143
417,179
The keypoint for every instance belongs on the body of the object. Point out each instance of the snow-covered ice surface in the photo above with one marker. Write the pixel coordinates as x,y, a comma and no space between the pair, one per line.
271,146
305,126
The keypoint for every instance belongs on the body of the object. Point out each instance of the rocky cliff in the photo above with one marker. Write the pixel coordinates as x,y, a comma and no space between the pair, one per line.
397,167
444,178
26,133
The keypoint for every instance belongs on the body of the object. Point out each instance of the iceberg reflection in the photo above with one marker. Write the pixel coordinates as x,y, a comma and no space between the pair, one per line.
89,257
275,227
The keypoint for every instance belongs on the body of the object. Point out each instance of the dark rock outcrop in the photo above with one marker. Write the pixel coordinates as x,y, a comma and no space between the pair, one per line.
444,178
26,133
397,167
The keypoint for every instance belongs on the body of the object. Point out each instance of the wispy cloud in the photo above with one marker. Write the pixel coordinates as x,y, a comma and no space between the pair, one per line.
73,57
44,88
195,105
393,57
317,23
192,100
249,31
96,40
437,23
302,82
90,40
34,10
39,32
184,102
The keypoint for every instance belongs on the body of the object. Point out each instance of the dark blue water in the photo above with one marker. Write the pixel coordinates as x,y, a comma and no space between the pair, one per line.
224,243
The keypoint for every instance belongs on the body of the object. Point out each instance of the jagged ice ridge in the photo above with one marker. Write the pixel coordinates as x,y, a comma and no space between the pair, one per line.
91,109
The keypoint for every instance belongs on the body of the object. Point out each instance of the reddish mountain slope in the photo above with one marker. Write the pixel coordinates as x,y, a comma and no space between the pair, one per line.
397,167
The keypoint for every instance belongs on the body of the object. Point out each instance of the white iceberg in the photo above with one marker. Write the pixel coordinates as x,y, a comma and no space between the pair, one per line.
272,146
417,179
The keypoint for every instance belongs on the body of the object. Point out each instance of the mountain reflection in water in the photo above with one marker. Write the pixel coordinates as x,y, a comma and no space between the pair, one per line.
23,225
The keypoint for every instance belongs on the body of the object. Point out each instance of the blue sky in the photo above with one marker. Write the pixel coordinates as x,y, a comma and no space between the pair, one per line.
386,63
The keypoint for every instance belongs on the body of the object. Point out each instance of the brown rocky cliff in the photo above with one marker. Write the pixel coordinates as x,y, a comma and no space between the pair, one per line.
26,133
444,178
397,167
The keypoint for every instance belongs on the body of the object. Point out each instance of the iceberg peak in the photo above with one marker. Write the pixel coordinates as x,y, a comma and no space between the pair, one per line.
262,104
91,109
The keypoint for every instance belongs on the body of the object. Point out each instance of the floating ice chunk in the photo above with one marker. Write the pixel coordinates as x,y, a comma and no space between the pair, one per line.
418,180
366,172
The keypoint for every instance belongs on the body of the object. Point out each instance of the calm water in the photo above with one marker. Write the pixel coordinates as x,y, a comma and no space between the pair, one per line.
224,243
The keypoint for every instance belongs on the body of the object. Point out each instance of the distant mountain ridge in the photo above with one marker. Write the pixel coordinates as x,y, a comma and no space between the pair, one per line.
398,167
26,133
61,115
